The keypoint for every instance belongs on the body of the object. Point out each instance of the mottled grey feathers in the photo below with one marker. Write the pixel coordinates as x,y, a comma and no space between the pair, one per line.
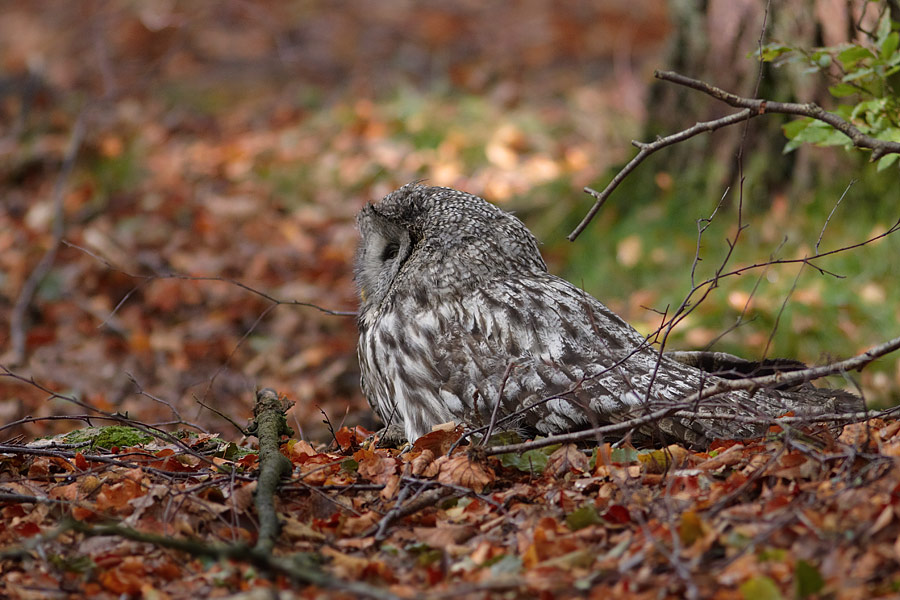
458,313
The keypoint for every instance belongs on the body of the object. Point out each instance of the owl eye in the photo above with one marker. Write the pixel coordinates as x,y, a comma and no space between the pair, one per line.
390,252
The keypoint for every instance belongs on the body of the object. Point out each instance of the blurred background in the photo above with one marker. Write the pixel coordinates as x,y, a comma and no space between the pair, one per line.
169,144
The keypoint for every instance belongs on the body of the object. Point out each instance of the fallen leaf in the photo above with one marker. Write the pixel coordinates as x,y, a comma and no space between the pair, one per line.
460,470
568,458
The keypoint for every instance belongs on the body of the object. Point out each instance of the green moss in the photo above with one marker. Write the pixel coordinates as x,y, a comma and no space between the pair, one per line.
108,437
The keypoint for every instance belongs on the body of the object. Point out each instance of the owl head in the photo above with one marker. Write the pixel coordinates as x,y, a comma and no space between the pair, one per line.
423,240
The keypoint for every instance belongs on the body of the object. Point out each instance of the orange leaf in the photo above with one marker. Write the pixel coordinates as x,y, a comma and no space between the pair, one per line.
117,495
348,438
439,441
121,580
375,467
421,462
617,514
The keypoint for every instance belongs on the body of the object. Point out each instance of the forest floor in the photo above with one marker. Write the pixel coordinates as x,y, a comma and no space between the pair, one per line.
189,175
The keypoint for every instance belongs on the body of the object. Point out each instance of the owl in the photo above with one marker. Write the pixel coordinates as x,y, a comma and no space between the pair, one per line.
459,319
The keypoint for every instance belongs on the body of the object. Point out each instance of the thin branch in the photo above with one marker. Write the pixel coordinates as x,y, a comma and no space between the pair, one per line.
297,567
750,108
17,320
494,413
750,384
645,151
810,109
831,214
151,430
234,282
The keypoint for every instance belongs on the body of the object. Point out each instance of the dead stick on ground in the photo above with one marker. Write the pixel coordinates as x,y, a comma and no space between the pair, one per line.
269,425
298,567
414,505
17,316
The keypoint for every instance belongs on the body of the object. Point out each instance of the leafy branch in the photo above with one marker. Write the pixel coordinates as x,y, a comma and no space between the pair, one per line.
750,108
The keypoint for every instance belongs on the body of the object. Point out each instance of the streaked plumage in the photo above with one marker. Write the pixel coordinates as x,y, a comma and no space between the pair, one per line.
457,306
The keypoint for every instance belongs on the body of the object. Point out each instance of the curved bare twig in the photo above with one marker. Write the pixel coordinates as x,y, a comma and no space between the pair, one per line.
751,107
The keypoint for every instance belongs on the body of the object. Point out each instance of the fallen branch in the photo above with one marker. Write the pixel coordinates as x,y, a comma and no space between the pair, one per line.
17,319
299,567
421,499
269,425
151,430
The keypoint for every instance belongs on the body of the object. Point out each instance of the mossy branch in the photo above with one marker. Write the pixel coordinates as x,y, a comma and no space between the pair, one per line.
269,424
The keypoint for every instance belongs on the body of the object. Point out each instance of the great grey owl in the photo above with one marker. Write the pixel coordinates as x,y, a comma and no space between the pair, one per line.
458,313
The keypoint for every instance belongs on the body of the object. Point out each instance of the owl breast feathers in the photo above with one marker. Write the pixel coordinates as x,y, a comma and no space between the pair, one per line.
459,315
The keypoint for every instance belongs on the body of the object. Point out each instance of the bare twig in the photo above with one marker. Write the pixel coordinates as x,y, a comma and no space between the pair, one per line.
297,567
810,109
17,321
750,108
421,499
831,214
148,278
645,150
151,430
750,384
490,430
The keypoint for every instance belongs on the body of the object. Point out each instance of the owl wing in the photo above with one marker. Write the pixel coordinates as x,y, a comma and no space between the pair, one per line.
562,361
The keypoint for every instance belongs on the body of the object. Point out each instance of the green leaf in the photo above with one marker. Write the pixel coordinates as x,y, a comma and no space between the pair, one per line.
772,51
793,129
820,134
791,146
807,579
760,588
842,90
884,28
889,46
886,161
532,461
852,55
623,455
582,517
857,75
504,438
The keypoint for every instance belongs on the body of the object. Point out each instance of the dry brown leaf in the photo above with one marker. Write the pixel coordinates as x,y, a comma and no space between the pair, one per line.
460,470
353,526
567,458
439,537
440,439
376,465
726,458
421,462
390,487
294,529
